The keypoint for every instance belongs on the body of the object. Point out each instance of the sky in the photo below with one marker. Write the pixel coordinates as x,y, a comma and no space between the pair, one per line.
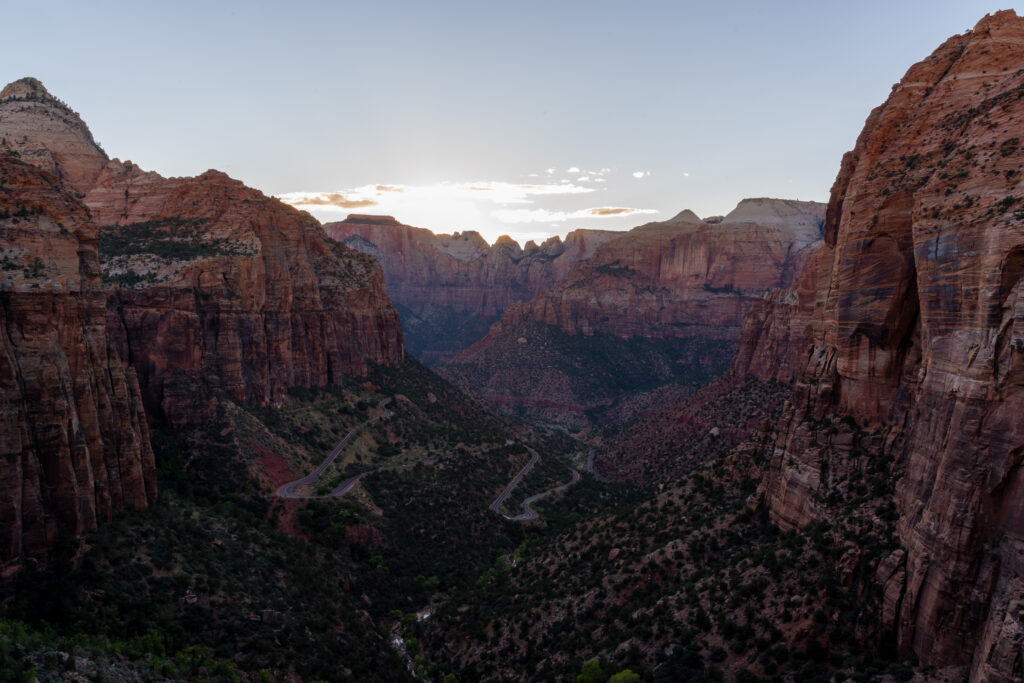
522,118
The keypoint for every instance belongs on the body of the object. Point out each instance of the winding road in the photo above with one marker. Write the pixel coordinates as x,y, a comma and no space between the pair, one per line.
528,513
288,490
534,457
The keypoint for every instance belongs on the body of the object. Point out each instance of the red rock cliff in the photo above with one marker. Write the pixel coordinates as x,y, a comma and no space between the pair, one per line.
918,337
661,279
254,298
212,286
74,445
461,271
443,282
661,304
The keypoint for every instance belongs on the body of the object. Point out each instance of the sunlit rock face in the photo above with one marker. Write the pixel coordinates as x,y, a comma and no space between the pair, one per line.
918,337
451,288
74,443
212,287
681,279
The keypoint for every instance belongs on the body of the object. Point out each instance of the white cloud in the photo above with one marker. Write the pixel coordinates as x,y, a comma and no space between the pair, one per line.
573,169
546,216
388,196
550,171
641,174
583,179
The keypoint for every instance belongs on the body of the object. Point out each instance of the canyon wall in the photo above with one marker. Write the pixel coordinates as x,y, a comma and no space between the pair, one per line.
451,288
660,446
212,286
661,304
74,443
918,343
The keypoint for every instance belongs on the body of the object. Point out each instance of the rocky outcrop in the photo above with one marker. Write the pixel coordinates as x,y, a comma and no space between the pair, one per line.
664,445
47,133
220,289
450,288
74,444
685,284
918,340
662,280
776,331
212,286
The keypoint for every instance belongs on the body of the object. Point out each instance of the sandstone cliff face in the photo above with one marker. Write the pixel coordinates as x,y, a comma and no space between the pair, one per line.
664,445
443,283
918,339
684,283
225,290
662,279
74,444
212,287
776,331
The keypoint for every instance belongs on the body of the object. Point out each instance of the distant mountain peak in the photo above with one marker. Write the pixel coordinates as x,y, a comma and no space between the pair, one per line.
25,87
685,216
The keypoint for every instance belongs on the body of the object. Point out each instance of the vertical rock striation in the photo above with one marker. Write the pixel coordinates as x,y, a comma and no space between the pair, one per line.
918,338
74,444
451,288
664,302
213,288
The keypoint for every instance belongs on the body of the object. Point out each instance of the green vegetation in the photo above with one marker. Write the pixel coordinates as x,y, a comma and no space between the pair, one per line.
168,238
692,584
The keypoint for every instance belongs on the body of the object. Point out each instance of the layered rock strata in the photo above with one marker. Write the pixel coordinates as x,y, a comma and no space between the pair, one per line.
74,443
685,283
773,343
212,286
451,288
918,340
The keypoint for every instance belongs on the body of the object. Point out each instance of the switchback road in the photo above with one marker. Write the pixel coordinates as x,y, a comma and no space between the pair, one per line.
288,490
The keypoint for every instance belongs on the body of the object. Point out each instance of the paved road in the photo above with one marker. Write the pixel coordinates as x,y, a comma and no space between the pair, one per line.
534,457
288,490
528,512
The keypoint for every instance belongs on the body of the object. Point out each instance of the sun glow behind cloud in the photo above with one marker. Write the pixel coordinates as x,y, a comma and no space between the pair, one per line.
485,206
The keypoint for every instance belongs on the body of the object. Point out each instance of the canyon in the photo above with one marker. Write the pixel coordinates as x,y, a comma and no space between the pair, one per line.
805,419
449,289
208,289
656,311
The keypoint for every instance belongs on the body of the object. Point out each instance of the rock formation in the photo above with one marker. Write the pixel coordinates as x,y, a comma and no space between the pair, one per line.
918,341
212,286
451,288
672,295
661,446
74,444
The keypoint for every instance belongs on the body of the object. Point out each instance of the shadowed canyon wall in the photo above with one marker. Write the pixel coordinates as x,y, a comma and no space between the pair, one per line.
449,289
918,340
664,302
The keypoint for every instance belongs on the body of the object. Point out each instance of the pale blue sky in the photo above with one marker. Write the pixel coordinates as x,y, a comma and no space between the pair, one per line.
712,101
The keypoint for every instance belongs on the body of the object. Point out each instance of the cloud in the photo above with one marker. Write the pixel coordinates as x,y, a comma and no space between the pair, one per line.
546,216
497,192
335,199
573,169
641,174
615,211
